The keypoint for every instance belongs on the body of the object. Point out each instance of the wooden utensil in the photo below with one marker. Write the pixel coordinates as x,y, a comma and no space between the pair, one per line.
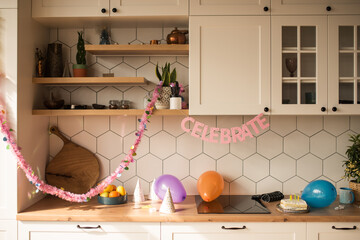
74,168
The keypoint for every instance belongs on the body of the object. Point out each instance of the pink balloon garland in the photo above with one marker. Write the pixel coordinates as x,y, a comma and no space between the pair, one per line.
61,193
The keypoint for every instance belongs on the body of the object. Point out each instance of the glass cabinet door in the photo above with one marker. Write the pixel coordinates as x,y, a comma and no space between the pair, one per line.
299,63
344,65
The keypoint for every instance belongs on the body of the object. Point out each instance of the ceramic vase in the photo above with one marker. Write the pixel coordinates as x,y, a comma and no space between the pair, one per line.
54,60
79,70
164,98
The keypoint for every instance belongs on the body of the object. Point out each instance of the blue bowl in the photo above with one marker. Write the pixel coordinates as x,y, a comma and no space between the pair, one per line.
112,200
319,194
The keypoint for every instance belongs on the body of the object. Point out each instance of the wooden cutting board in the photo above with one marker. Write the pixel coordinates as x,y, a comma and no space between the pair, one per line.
74,168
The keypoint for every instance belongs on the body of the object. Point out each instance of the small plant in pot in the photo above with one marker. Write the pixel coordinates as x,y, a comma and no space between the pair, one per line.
352,165
167,77
79,69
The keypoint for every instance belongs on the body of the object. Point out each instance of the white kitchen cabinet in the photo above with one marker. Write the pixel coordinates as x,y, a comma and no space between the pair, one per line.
229,65
8,230
88,230
104,8
344,64
299,65
311,7
333,230
8,3
229,7
238,231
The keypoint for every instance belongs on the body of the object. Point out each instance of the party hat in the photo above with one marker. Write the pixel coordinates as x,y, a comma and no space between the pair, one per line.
138,193
167,205
152,195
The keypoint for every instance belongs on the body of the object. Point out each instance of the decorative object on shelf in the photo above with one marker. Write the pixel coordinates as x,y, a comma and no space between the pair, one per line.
175,99
54,104
166,181
210,185
138,193
319,194
54,60
352,165
105,38
40,63
152,195
79,69
177,36
167,205
166,77
155,42
66,72
108,75
291,65
98,106
113,104
124,104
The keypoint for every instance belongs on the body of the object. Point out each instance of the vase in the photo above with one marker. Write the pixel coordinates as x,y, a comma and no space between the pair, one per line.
356,189
164,99
54,60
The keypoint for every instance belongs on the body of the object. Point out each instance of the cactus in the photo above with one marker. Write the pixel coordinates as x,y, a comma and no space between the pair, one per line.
80,55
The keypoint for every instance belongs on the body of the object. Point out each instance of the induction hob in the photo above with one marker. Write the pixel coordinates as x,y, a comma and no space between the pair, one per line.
231,204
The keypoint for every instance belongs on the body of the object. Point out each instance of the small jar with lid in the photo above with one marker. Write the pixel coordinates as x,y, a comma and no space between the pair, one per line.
113,104
124,104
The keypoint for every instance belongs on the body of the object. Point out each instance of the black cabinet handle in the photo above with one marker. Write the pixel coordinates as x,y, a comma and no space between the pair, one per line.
103,10
266,109
98,226
266,9
353,228
233,228
328,8
114,10
323,109
334,109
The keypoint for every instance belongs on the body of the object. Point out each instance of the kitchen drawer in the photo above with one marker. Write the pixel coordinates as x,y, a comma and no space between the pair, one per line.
333,231
88,231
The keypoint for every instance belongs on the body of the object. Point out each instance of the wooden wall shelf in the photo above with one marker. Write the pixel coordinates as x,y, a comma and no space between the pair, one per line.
105,112
139,50
91,80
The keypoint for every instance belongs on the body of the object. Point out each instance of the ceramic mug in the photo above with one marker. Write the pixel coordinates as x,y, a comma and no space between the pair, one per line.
346,195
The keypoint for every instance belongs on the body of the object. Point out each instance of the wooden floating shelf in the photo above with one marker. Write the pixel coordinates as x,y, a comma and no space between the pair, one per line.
139,50
104,112
91,80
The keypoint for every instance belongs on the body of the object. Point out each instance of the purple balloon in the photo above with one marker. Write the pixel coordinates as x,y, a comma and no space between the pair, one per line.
166,181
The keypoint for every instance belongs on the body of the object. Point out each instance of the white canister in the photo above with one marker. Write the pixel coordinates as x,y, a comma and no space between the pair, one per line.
175,103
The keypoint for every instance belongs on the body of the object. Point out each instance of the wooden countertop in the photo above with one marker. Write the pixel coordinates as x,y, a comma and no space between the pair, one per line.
54,209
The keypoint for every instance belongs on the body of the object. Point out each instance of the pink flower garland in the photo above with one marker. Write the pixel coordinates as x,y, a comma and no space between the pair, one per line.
68,196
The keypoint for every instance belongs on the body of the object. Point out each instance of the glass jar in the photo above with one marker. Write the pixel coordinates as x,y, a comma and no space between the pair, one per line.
124,104
113,104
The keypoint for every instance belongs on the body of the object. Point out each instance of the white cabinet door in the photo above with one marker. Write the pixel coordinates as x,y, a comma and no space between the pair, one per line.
229,7
70,8
344,65
8,230
333,231
229,65
215,231
299,65
8,91
310,7
88,231
8,3
149,8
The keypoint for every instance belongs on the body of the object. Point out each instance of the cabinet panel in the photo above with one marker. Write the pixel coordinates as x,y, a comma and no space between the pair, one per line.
344,65
8,3
309,7
229,65
69,8
229,7
325,231
253,231
149,8
299,65
8,230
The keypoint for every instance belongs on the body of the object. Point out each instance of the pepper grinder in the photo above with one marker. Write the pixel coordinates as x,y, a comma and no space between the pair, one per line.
175,99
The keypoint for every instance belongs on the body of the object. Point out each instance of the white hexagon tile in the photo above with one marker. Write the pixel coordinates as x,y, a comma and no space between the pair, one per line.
281,163
177,165
296,144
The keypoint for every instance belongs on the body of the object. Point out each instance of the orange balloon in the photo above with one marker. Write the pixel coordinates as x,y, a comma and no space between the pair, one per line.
210,185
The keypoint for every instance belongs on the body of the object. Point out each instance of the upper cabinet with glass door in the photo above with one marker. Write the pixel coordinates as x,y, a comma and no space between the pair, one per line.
344,65
318,7
299,66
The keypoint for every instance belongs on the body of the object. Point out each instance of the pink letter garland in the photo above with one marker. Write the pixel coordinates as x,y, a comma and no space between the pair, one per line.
68,196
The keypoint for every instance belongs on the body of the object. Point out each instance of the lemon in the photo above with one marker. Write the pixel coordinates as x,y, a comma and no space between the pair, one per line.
109,188
104,194
121,190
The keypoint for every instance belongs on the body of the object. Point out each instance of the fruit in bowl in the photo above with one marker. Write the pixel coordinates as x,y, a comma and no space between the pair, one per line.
113,195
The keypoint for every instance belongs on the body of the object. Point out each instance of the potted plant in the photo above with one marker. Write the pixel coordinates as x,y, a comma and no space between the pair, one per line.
167,77
352,169
79,69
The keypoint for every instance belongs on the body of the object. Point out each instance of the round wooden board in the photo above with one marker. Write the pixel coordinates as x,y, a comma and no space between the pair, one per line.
280,209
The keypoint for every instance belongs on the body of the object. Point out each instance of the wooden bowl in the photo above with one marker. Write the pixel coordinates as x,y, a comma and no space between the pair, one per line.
112,200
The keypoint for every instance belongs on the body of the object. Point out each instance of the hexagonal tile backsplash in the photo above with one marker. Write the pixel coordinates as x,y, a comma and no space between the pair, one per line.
294,151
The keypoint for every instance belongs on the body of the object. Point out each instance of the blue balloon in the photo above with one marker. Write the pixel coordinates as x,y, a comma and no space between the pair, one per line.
319,193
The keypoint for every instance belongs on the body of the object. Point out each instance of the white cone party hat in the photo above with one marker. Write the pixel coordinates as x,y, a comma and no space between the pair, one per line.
152,195
138,193
167,205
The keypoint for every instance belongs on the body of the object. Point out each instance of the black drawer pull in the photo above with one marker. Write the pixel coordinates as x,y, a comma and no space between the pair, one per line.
233,228
98,226
353,228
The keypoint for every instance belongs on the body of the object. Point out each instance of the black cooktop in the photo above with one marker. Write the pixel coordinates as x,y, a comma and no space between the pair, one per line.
231,204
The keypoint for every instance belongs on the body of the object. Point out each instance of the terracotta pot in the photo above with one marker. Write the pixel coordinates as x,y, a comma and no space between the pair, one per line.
356,189
79,70
164,102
